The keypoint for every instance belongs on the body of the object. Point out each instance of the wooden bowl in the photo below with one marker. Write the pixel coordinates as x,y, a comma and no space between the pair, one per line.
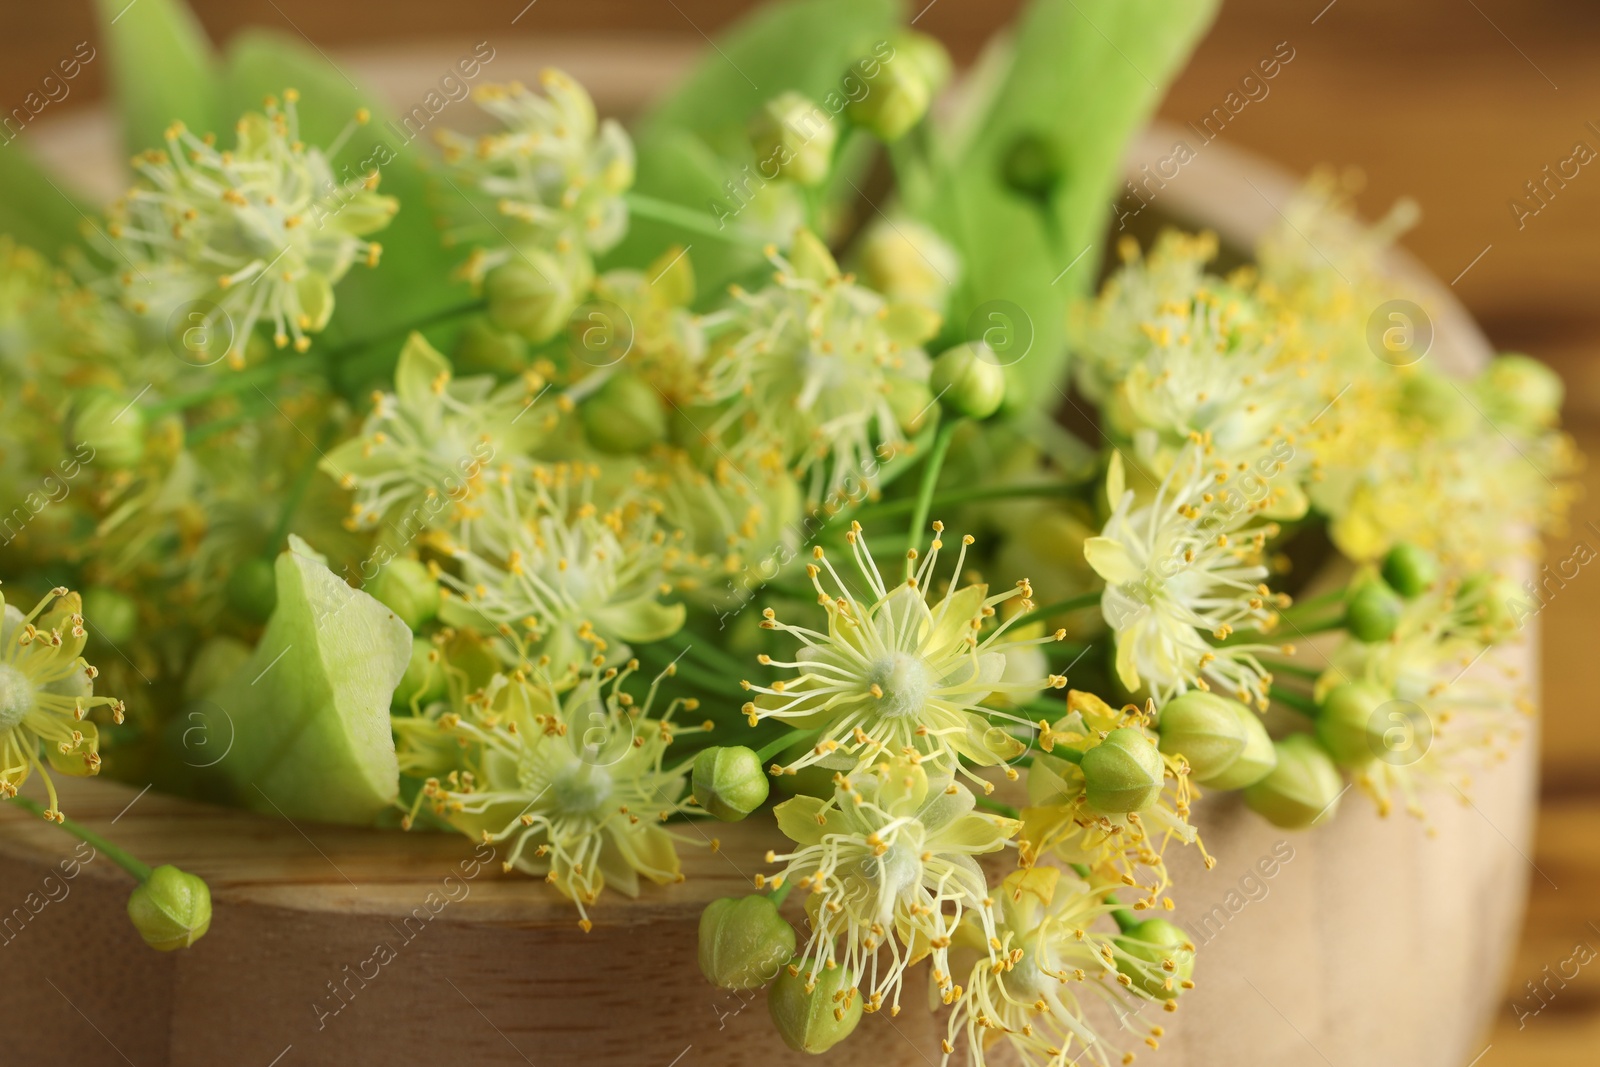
1361,942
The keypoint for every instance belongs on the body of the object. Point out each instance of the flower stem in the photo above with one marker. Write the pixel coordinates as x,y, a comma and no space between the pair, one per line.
122,859
930,478
1300,670
998,808
786,741
968,496
1299,702
233,382
778,895
689,219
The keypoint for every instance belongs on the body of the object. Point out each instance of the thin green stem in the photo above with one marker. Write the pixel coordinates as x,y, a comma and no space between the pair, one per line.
1299,670
968,496
1075,603
778,895
1298,701
122,859
998,808
231,381
1301,606
930,479
685,218
786,741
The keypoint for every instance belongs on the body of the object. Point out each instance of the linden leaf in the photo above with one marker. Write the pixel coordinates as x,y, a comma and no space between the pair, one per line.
310,709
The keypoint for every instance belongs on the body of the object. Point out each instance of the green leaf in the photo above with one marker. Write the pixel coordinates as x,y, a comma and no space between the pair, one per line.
414,275
36,209
695,139
1086,74
310,710
162,69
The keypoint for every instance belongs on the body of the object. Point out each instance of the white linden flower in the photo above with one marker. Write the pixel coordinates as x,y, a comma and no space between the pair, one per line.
46,689
577,784
546,568
263,231
424,448
888,863
1183,570
1031,975
551,181
902,674
819,373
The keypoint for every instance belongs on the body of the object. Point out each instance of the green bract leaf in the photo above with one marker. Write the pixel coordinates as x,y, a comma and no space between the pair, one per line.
310,710
1085,75
162,67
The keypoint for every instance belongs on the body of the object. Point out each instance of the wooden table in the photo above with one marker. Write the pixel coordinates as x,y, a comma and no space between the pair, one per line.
1457,103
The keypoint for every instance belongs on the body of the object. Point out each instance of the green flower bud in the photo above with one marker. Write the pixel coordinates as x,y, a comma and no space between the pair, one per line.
252,589
1435,398
906,260
1302,790
1346,723
112,617
534,293
794,138
1032,167
744,942
1409,570
1373,611
966,383
405,587
171,910
813,1017
624,416
482,349
218,660
1206,730
1257,759
911,401
926,54
109,424
1123,773
1520,392
729,782
897,97
1494,601
424,680
1157,956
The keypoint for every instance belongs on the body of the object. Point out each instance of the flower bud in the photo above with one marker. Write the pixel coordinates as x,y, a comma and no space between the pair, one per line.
1032,167
1347,726
1493,601
219,659
1409,570
911,401
794,138
1257,759
1204,729
109,424
625,416
113,617
906,260
1123,773
966,383
897,97
1520,392
729,782
1302,790
252,589
744,942
171,910
405,587
813,1017
926,54
482,349
534,293
1157,956
1373,611
1438,401
424,680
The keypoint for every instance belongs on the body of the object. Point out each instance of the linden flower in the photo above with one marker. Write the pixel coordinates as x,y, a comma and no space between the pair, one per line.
552,180
425,446
545,567
888,862
263,231
576,783
818,372
1451,710
1063,822
46,689
1042,960
1187,565
903,674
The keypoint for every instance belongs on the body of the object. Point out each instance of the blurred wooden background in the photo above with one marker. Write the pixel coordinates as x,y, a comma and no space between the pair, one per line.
1456,103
